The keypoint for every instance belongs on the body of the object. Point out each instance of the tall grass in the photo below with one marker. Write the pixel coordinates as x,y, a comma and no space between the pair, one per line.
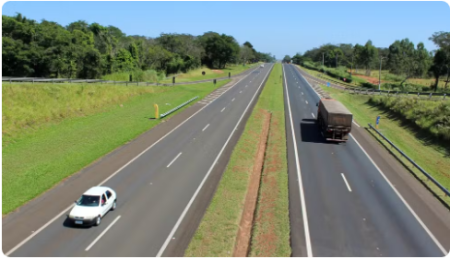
137,76
27,106
433,117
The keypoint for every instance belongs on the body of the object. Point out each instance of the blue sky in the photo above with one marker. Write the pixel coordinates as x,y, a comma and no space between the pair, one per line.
277,27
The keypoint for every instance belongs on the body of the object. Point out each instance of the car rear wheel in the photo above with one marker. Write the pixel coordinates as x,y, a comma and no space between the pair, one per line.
98,220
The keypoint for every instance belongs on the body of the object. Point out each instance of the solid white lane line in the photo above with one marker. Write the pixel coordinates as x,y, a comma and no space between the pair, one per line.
101,234
314,116
180,219
306,102
116,172
233,99
300,182
403,200
356,124
223,109
205,127
346,183
174,160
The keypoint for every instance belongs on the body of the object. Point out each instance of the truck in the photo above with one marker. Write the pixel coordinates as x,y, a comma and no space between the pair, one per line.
334,120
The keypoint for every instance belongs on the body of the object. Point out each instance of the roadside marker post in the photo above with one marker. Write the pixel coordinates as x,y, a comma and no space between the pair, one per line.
328,84
156,111
378,121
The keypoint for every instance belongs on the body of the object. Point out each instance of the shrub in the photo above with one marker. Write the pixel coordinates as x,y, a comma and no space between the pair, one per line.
433,117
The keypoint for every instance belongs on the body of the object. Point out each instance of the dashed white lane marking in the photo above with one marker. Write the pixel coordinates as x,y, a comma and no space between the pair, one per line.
313,115
240,92
306,102
302,93
205,127
174,159
346,183
246,85
223,109
101,234
233,99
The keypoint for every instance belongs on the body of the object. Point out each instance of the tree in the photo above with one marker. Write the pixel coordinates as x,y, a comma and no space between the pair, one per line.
442,56
440,66
219,49
246,54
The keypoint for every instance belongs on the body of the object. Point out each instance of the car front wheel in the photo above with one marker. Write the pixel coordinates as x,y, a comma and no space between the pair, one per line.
114,206
98,220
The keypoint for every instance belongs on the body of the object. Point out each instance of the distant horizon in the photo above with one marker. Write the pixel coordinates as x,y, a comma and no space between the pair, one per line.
266,25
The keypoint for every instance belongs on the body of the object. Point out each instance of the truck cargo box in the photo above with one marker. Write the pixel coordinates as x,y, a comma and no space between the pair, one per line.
335,113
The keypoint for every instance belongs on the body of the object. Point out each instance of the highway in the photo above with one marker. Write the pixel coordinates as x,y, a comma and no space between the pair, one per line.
343,203
157,190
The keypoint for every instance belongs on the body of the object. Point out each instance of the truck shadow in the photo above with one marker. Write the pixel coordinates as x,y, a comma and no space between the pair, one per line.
310,132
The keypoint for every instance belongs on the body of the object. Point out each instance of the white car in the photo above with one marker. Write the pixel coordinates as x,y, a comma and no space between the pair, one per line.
92,206
262,65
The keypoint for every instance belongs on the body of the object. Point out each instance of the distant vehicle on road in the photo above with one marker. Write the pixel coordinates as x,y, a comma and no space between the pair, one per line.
262,65
92,206
334,119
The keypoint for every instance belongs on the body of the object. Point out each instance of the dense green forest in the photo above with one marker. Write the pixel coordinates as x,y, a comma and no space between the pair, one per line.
403,58
82,50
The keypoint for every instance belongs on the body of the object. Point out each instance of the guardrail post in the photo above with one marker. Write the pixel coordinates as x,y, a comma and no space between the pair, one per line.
444,96
126,83
33,81
430,95
388,92
418,94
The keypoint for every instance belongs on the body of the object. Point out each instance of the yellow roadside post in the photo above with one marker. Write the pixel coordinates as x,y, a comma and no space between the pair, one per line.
378,121
156,111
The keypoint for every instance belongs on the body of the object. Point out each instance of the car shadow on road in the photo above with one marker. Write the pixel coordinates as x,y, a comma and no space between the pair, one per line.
68,224
310,132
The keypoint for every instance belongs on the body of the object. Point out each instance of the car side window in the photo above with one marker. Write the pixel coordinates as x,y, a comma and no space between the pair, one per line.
108,194
103,198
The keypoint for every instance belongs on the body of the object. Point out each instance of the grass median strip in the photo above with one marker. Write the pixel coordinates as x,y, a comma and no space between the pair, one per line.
217,233
39,157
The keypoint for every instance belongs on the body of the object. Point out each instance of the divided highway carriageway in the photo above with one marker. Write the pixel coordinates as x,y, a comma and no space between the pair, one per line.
353,199
162,192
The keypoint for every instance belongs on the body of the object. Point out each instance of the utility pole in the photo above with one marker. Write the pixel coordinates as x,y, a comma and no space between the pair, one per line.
323,62
351,66
379,74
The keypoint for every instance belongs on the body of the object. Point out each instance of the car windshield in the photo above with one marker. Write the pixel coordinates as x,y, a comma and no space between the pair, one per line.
89,200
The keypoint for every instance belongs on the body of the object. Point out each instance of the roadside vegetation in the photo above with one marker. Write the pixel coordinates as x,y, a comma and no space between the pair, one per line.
52,131
403,129
81,50
407,66
217,233
196,74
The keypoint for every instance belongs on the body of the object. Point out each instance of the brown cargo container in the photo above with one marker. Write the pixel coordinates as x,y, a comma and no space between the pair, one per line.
334,119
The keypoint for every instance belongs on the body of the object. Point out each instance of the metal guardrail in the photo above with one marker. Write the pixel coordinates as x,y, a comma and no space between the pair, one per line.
74,80
176,108
395,93
446,192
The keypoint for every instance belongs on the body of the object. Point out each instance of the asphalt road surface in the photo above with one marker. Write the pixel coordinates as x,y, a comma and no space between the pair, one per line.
343,205
156,190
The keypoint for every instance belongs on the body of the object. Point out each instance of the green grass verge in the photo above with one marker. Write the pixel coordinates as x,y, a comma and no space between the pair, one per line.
42,158
217,232
432,156
271,232
196,74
